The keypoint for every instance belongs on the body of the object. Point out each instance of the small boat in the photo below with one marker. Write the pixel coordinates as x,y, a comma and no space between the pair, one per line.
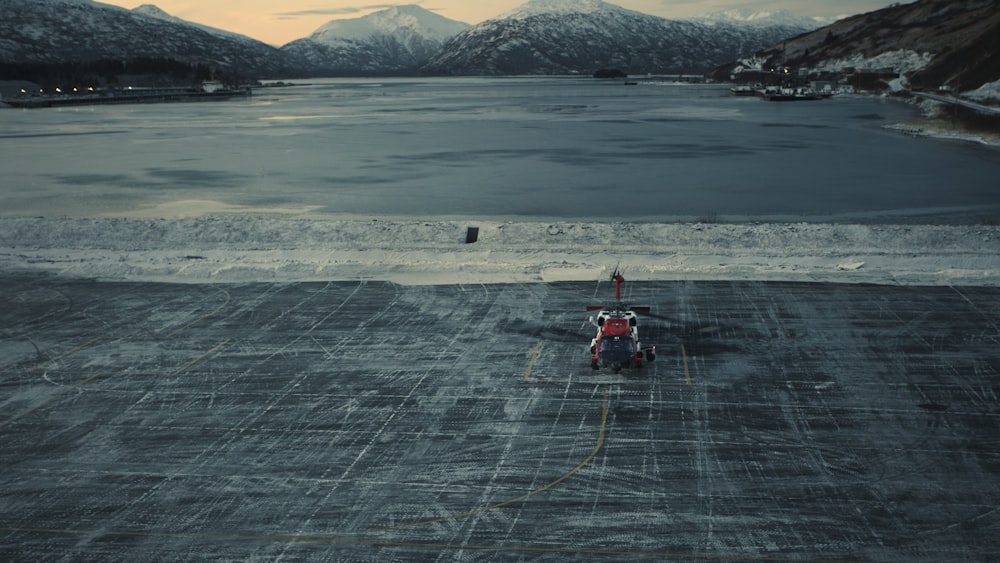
784,94
743,91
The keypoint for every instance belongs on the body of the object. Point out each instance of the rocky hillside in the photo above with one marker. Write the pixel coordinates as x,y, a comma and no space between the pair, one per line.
60,31
933,42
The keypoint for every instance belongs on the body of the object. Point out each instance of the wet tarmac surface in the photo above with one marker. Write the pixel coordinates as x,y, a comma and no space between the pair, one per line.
370,421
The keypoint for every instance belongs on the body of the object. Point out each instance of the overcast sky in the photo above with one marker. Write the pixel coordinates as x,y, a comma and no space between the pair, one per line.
278,22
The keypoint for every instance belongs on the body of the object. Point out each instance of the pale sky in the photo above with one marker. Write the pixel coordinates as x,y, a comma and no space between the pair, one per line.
278,22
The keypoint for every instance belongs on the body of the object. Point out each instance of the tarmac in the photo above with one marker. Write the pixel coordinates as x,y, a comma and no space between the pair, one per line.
364,421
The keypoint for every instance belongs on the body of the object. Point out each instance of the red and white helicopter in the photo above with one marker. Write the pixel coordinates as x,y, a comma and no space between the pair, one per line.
616,345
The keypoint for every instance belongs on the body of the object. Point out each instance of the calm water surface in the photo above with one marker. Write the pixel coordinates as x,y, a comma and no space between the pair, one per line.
499,147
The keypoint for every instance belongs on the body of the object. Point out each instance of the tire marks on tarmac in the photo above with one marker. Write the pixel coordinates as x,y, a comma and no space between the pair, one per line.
378,421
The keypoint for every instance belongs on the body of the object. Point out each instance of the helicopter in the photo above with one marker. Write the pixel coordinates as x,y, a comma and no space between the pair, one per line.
616,345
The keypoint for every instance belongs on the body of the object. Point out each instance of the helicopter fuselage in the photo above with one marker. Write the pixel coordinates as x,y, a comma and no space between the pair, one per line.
616,345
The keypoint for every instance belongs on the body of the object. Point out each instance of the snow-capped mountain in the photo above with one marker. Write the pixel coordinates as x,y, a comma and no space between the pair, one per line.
399,21
61,31
936,42
555,7
400,38
569,36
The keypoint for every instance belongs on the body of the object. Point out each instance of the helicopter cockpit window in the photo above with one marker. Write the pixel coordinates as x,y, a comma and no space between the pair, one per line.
617,343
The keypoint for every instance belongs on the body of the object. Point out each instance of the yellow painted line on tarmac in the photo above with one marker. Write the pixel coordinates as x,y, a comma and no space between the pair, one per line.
687,372
531,362
349,538
214,312
339,536
88,344
195,361
525,496
58,394
55,395
102,339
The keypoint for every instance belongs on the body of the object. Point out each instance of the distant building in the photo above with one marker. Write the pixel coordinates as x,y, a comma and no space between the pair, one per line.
210,86
825,86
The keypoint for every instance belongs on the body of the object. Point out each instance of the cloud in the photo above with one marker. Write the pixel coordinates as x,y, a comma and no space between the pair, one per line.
335,11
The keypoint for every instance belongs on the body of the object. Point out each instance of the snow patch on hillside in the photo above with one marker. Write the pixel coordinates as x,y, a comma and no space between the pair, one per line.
395,21
903,61
561,7
762,19
988,91
228,248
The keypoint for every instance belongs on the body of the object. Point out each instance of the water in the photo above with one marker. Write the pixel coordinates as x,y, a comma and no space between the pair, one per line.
498,147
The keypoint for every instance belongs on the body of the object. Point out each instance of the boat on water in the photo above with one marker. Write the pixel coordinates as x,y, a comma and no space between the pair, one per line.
743,91
126,96
786,94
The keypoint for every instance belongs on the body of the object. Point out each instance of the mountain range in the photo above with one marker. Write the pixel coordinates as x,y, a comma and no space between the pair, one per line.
579,36
941,41
540,37
62,31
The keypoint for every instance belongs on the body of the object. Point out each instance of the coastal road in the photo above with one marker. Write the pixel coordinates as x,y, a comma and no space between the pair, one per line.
981,108
372,421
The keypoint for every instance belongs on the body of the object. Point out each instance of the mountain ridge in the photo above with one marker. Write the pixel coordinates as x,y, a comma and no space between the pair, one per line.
933,43
64,31
561,36
396,39
385,42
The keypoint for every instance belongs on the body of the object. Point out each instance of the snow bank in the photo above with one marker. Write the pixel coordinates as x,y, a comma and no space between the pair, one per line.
235,249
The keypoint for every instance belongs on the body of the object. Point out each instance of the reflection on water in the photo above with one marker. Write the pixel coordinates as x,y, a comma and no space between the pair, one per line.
528,147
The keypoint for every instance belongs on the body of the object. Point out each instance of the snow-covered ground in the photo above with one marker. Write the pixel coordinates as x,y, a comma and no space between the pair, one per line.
931,124
223,245
987,92
900,60
363,179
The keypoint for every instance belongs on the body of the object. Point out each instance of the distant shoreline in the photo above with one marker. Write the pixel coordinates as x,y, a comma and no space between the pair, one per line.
941,129
950,122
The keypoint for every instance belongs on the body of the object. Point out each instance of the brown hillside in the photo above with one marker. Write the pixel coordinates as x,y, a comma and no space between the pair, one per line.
963,37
